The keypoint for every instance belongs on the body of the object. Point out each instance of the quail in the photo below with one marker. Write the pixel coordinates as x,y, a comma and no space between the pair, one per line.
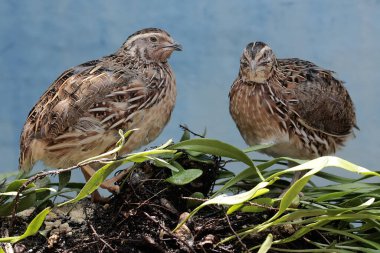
80,114
301,109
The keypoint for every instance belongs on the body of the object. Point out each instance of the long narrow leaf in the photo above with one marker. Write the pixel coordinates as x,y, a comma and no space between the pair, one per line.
314,166
249,172
265,247
257,147
356,237
100,175
231,200
216,147
32,228
119,146
94,182
184,176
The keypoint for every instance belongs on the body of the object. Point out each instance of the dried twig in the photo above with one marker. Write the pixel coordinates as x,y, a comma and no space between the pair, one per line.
271,208
193,133
141,204
237,236
170,232
196,199
150,198
100,239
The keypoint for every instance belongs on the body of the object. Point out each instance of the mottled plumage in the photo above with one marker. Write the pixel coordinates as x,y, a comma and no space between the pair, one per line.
300,108
81,112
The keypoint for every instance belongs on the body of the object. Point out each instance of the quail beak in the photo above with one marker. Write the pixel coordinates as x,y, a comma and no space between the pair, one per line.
175,46
253,65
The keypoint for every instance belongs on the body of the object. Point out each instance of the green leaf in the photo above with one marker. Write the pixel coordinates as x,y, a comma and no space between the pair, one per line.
119,146
255,206
234,208
38,190
198,199
64,179
301,232
185,176
124,136
248,172
257,147
100,175
9,194
194,153
356,237
185,135
323,250
177,165
216,147
266,244
258,190
241,176
314,166
162,163
42,182
225,174
292,193
331,196
32,228
344,187
25,202
200,157
334,178
320,216
94,182
16,184
262,205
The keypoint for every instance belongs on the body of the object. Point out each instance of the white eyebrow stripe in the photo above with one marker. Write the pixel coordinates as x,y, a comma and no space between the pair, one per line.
144,35
262,51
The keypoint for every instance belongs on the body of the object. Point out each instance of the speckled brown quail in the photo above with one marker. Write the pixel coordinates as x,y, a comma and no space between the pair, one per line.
300,108
80,114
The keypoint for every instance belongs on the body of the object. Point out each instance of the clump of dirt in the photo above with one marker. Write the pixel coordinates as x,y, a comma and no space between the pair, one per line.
142,218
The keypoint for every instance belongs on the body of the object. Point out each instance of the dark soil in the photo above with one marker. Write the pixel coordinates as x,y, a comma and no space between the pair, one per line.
142,218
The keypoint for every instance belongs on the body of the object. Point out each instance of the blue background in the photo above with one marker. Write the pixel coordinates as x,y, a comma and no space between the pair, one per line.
40,39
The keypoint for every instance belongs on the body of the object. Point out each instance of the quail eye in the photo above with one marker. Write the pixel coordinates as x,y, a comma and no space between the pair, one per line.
264,63
244,64
153,39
